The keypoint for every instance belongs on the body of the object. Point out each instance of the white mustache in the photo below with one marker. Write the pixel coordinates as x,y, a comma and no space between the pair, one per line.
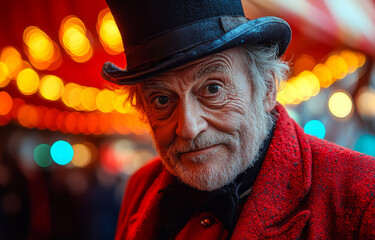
200,142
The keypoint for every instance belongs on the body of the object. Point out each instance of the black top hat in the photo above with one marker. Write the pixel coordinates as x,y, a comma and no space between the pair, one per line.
159,35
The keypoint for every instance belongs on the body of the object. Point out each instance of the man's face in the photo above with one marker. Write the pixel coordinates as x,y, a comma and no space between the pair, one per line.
205,125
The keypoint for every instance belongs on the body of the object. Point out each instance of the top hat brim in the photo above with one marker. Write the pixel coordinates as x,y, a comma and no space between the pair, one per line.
265,31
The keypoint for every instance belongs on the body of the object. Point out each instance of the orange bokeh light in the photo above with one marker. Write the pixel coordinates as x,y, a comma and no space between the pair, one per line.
27,116
6,103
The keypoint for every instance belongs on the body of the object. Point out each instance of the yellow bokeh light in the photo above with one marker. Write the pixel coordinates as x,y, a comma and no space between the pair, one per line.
42,52
75,96
4,75
324,75
303,87
121,105
313,82
288,93
12,59
74,40
340,104
105,101
337,66
88,98
65,95
351,60
82,155
109,34
28,81
51,87
39,44
361,58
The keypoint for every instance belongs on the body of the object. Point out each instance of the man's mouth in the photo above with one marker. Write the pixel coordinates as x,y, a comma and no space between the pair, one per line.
198,151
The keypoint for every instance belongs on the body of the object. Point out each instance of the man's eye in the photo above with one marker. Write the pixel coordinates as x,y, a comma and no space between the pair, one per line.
161,100
213,88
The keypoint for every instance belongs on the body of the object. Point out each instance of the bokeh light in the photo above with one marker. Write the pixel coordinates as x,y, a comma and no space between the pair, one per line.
82,155
6,103
62,152
366,144
340,104
315,128
50,118
303,63
28,116
4,75
73,37
88,98
324,75
365,102
105,100
109,34
28,81
51,87
337,66
42,155
361,58
13,60
42,52
120,103
351,60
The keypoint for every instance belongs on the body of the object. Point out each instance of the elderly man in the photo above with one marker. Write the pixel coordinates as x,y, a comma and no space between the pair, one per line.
233,164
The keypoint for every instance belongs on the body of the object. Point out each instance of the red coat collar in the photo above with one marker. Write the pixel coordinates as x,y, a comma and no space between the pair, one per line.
272,208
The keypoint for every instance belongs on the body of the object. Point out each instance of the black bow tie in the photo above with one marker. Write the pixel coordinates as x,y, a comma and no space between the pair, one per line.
179,201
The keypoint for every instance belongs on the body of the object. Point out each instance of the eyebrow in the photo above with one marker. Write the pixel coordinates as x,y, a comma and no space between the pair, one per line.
205,71
217,67
152,84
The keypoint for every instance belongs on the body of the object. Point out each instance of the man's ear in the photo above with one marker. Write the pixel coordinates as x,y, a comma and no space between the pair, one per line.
270,99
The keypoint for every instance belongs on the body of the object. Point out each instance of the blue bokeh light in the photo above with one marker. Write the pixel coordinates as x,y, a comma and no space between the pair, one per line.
62,152
315,128
366,144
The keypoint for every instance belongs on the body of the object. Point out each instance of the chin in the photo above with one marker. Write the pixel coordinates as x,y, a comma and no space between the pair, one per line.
205,176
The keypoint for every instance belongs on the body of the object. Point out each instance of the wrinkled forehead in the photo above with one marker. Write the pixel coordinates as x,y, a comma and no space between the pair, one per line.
219,64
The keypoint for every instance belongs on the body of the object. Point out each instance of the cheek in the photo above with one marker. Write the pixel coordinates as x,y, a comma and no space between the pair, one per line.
231,116
163,131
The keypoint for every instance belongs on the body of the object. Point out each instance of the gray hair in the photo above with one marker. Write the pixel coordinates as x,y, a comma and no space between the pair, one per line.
265,69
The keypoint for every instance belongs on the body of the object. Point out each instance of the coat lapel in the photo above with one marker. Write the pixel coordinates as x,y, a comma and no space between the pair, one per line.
273,209
144,225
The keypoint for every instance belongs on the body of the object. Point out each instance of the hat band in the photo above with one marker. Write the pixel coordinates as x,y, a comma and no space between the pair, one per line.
176,41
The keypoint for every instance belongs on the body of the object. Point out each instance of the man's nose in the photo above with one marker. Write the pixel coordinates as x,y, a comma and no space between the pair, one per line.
190,120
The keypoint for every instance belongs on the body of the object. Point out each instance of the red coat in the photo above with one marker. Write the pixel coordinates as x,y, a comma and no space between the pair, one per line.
307,188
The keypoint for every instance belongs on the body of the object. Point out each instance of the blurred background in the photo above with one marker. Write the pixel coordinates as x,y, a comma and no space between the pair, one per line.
68,143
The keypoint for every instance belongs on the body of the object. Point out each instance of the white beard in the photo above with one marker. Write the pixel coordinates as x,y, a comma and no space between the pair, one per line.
211,171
